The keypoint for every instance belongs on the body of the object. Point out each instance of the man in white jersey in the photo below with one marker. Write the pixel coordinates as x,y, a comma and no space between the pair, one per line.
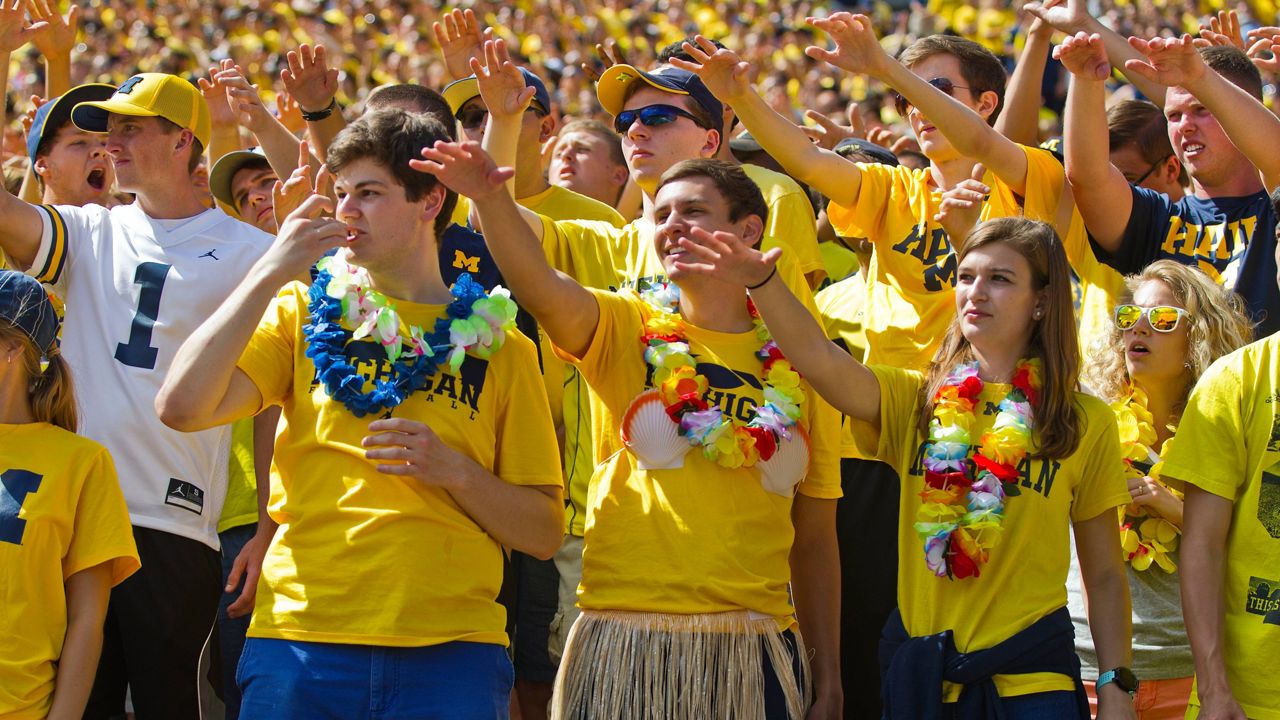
137,280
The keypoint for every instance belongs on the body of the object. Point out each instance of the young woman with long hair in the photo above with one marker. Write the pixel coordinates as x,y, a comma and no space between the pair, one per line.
999,458
1170,324
65,538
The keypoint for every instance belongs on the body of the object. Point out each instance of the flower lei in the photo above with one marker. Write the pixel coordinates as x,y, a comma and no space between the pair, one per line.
476,323
681,386
963,498
1146,539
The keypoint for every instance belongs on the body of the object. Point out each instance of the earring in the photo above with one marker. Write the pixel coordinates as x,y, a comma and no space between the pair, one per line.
1037,315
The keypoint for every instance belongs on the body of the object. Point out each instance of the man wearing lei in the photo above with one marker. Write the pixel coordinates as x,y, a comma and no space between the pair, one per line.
715,504
415,443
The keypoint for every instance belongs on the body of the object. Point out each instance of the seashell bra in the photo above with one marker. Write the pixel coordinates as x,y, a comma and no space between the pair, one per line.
655,441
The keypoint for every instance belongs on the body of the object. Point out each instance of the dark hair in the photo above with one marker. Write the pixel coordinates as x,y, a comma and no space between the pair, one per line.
413,98
980,68
739,191
1053,337
676,50
197,147
391,137
1232,64
1142,125
602,131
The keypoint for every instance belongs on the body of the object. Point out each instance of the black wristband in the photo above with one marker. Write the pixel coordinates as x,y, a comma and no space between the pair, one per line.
320,114
763,282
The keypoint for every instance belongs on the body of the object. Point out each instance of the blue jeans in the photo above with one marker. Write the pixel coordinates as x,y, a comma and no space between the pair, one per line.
292,680
231,631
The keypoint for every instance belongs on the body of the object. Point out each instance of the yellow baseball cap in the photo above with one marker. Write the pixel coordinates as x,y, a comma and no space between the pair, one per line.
149,95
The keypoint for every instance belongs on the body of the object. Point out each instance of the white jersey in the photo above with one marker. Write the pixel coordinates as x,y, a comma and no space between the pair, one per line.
135,289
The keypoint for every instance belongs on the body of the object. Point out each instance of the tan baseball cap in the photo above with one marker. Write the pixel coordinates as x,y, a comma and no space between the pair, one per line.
149,95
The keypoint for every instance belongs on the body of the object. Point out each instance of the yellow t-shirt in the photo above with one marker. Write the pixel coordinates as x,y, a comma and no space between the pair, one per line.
841,307
241,505
557,203
600,256
912,276
701,538
61,511
1095,287
791,224
375,559
839,261
1228,443
1026,576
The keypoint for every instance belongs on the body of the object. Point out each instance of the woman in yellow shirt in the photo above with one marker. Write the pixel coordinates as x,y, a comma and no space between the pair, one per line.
999,457
65,539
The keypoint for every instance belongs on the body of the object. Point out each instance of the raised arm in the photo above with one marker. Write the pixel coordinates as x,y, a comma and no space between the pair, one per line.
460,39
23,228
314,84
278,144
1020,119
1101,192
725,75
847,384
224,136
55,41
1072,17
567,311
1248,123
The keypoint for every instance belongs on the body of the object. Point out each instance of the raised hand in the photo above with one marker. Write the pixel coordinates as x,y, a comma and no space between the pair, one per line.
961,206
1262,49
459,39
57,37
721,70
500,81
215,94
309,79
1170,61
244,99
828,133
14,30
289,195
289,113
610,54
857,49
464,168
728,257
1223,30
29,117
1084,56
1068,16
304,236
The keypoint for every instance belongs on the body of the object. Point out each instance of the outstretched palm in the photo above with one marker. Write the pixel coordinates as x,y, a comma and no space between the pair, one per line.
463,168
857,49
500,82
721,70
1170,61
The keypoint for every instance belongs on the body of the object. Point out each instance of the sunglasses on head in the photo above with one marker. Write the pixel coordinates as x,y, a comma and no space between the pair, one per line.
651,116
1161,318
944,84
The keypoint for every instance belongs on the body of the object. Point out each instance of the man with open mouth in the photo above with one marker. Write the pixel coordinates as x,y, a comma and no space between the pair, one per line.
71,165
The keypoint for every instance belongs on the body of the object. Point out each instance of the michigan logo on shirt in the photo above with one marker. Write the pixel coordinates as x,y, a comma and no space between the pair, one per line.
933,250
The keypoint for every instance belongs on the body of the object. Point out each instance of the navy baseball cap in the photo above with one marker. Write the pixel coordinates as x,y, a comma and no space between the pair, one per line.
616,82
458,92
879,153
57,112
24,303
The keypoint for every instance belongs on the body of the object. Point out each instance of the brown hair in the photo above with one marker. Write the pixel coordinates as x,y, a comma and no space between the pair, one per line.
412,97
739,191
1142,125
979,67
391,137
602,131
52,393
1218,325
1232,64
1053,337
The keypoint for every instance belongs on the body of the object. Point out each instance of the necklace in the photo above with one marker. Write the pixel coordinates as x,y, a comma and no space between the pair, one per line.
475,323
1146,539
962,512
681,388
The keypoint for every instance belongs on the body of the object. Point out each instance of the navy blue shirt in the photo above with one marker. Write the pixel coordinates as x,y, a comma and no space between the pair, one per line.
1233,239
463,250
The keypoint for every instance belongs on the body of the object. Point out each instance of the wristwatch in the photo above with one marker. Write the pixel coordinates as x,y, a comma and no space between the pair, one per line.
1123,677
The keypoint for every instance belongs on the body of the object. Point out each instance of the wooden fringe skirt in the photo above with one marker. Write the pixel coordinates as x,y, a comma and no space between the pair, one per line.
650,666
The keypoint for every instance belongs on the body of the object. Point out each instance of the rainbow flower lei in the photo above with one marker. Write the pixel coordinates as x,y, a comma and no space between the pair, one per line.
963,497
1146,539
476,323
681,386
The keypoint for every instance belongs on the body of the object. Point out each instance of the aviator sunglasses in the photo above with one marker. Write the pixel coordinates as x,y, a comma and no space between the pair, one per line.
651,116
945,85
1161,318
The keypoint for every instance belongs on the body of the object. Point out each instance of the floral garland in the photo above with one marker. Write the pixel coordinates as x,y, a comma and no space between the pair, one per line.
476,323
1146,538
681,386
963,498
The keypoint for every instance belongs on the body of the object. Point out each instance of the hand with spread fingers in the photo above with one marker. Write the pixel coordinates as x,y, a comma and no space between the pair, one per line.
827,133
1084,56
609,54
500,81
460,40
464,168
727,257
1224,29
289,195
857,48
215,94
1170,61
304,237
57,37
309,79
1262,49
289,113
721,70
961,206
246,103
14,29
408,448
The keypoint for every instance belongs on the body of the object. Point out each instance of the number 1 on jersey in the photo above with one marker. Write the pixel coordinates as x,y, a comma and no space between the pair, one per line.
138,351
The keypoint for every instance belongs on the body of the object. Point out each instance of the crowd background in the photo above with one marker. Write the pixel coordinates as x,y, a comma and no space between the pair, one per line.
375,42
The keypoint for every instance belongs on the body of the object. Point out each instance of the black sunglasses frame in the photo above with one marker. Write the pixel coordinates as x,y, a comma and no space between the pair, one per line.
625,119
903,106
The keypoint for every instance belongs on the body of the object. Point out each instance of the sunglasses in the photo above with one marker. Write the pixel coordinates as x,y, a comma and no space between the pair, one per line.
651,116
903,105
1150,170
473,118
1161,318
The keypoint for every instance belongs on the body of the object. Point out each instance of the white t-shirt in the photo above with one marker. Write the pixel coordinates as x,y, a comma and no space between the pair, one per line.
135,289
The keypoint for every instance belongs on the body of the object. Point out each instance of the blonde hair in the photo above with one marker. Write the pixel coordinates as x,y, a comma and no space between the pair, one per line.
52,392
1218,325
1052,341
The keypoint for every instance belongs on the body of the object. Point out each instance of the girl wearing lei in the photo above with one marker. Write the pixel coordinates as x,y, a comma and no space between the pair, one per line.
65,538
1000,459
1171,324
714,505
